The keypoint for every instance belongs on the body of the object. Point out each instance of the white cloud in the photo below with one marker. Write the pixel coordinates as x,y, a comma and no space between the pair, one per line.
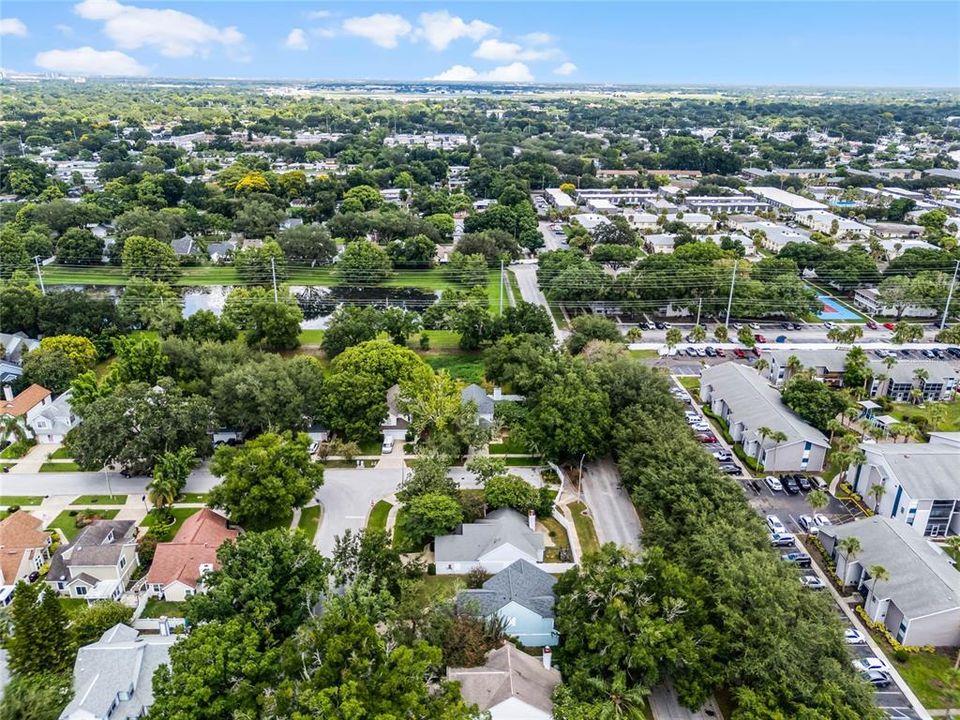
296,40
567,68
381,29
12,26
515,72
87,61
173,33
498,50
537,38
458,73
441,28
319,14
65,29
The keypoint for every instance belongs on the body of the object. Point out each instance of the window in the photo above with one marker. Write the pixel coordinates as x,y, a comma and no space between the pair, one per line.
80,590
123,562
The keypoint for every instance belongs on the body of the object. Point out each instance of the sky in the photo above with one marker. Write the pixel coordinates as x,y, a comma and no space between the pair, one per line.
886,43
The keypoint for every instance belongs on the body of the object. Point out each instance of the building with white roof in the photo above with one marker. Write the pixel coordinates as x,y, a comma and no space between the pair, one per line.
822,221
559,199
775,236
590,221
715,204
783,200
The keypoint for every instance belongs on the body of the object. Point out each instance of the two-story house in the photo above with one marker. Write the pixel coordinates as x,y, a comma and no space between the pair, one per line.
98,564
54,420
24,547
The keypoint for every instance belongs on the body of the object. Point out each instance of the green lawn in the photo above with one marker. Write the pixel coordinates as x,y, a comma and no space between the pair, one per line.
15,451
643,354
514,287
72,606
59,467
378,515
462,366
370,447
400,541
692,385
585,529
493,292
908,411
100,500
523,461
8,500
60,454
156,608
67,523
442,340
925,673
311,337
179,515
560,538
310,520
441,587
509,447
193,498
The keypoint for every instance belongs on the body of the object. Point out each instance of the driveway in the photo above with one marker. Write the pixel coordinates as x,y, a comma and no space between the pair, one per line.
614,516
526,274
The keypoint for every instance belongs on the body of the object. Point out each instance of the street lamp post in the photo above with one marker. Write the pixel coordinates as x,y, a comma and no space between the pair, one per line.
580,479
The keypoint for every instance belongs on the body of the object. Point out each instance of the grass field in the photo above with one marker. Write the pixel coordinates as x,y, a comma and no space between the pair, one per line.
441,587
925,673
523,461
156,608
60,454
908,411
514,286
691,384
179,515
643,354
8,500
72,606
67,523
311,337
585,529
100,500
310,521
378,515
559,536
440,340
510,447
464,366
59,467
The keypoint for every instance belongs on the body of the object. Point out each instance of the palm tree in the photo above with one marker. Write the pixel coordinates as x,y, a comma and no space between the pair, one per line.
835,335
763,432
889,361
818,499
876,432
916,395
794,365
903,429
878,573
834,426
618,701
162,492
721,333
851,413
850,546
10,425
761,365
699,333
876,491
937,415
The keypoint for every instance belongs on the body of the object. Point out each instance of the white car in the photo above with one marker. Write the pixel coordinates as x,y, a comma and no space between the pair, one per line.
775,524
755,326
829,325
822,520
808,524
773,483
871,663
387,446
701,427
813,582
782,539
722,455
854,637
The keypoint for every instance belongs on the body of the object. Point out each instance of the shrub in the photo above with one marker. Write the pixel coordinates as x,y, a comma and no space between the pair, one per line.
432,569
477,577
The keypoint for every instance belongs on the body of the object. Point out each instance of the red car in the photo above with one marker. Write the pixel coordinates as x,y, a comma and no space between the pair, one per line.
755,351
706,438
872,325
721,353
759,338
740,353
890,326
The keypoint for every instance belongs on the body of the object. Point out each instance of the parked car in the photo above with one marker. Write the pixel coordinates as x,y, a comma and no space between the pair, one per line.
822,520
722,455
34,576
690,352
660,326
314,447
736,325
871,663
755,351
782,539
797,558
890,326
721,353
710,352
759,338
829,325
803,482
775,524
876,678
773,483
954,352
739,353
808,524
754,326
730,468
781,338
789,485
872,325
928,354
940,355
387,446
813,582
854,637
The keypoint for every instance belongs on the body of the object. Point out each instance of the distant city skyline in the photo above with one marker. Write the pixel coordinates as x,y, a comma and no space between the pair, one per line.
826,44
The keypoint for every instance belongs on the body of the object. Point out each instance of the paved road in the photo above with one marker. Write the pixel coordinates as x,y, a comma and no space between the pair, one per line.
91,483
552,240
614,516
665,706
530,292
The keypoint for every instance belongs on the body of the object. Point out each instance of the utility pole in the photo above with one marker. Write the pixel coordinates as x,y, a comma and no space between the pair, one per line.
946,308
699,308
273,272
36,261
501,286
733,281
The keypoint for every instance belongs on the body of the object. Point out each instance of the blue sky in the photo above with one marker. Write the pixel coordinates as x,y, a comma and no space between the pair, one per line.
875,43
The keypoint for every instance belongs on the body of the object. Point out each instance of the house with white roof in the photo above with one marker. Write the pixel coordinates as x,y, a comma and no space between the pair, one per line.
492,543
822,221
113,677
741,397
783,200
54,420
919,603
921,482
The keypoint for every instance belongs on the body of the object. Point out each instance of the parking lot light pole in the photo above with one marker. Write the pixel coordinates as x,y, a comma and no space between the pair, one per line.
733,281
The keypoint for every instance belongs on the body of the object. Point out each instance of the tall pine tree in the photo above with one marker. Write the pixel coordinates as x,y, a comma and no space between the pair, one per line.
40,642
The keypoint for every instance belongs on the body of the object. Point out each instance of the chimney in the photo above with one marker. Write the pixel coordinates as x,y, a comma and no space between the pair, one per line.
164,625
531,520
8,393
547,657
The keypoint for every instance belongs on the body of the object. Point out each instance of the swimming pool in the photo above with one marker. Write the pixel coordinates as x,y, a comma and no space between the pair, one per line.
844,203
832,310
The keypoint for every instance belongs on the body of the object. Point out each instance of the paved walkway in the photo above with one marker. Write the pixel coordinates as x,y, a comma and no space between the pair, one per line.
35,457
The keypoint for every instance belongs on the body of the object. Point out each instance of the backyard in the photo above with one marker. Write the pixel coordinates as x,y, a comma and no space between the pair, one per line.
67,523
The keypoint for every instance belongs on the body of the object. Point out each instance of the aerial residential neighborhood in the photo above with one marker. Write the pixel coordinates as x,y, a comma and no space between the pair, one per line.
505,361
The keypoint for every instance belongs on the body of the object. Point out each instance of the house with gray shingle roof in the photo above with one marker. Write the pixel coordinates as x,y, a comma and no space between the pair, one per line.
113,677
522,596
484,402
98,563
746,402
493,543
509,685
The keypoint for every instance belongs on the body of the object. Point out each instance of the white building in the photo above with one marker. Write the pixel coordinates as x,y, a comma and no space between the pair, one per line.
559,199
775,237
869,300
822,221
715,204
783,200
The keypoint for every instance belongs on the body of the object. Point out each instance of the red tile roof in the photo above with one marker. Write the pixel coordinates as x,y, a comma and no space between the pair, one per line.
25,401
195,544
